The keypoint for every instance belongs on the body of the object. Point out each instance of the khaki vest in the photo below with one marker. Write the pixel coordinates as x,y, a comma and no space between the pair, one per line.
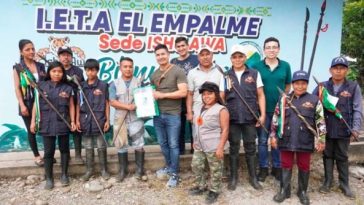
208,134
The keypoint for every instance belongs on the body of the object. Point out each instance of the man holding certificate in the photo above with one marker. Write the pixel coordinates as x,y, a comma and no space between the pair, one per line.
127,126
171,86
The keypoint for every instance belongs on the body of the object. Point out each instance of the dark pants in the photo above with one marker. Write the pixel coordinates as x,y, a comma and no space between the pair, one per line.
31,137
337,149
50,145
247,132
302,159
182,133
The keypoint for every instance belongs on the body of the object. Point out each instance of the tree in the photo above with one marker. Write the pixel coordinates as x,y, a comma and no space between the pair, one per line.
353,37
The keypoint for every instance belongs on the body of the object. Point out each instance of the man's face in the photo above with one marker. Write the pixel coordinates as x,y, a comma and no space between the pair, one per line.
65,58
182,48
127,69
205,58
238,60
299,87
162,56
338,72
271,50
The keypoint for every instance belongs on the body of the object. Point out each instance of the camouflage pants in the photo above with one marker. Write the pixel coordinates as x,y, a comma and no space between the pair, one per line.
198,168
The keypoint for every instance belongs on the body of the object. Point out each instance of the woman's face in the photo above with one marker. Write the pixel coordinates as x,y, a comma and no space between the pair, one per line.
208,97
28,51
56,74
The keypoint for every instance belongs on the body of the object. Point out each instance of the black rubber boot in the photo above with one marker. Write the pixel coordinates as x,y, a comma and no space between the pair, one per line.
77,139
343,169
329,172
48,168
233,180
65,181
211,197
103,163
285,189
263,173
123,166
276,172
139,161
90,158
303,178
250,161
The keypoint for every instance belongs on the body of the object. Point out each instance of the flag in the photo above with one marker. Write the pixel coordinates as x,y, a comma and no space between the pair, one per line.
37,110
281,116
328,101
26,77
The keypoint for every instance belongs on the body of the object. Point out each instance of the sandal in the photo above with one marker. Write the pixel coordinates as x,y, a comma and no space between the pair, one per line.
39,162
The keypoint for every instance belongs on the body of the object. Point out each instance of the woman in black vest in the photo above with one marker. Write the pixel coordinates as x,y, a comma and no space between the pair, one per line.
53,126
25,93
295,137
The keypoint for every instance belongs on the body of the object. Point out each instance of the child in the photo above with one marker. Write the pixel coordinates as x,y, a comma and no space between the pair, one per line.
52,126
212,128
97,94
297,138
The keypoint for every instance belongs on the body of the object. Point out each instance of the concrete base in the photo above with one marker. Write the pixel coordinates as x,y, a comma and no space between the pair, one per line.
20,164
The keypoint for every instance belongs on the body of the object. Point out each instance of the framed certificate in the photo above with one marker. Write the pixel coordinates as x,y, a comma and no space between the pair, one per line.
146,105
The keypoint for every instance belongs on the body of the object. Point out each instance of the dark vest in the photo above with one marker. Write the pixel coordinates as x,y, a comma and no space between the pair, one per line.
96,94
336,128
247,88
297,137
59,95
29,98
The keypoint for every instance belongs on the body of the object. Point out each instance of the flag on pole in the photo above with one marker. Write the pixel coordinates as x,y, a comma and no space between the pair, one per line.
37,110
328,101
281,116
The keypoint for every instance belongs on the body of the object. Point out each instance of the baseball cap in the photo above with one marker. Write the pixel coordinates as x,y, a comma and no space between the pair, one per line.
300,75
339,61
64,49
238,49
204,47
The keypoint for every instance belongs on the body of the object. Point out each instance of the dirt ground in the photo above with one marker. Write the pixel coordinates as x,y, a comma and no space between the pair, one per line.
30,191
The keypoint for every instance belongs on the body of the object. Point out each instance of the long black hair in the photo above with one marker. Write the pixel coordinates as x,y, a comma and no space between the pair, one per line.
53,65
22,44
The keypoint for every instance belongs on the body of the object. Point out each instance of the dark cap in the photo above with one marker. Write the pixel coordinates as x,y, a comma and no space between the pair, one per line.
209,86
300,75
64,49
339,61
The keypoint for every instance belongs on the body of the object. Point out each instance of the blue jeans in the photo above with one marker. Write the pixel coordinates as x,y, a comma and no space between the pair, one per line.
167,128
263,146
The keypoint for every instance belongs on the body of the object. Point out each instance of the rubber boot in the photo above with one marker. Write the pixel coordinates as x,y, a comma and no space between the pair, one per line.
303,178
285,188
65,181
139,161
263,173
276,172
329,172
233,180
123,165
250,161
343,169
103,163
90,158
48,168
78,148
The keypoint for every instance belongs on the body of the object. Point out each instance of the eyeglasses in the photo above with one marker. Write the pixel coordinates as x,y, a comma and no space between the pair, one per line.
271,47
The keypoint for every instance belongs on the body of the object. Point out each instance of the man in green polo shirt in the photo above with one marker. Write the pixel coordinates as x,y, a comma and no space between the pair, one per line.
274,72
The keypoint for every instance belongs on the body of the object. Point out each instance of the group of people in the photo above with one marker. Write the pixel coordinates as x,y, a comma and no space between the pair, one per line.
243,103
